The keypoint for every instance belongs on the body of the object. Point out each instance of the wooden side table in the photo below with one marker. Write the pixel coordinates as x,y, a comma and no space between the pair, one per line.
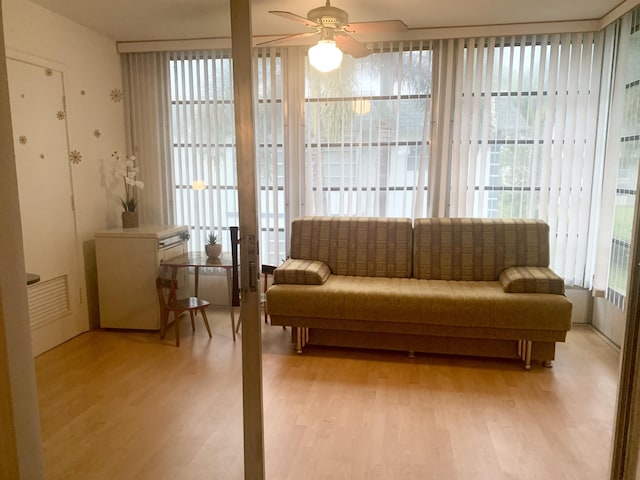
198,260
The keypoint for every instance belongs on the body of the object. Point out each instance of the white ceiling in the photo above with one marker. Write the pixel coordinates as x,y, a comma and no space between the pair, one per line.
140,20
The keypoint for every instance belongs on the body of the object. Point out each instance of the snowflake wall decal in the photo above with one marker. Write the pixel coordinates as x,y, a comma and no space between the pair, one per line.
75,157
48,72
116,95
22,139
97,133
60,115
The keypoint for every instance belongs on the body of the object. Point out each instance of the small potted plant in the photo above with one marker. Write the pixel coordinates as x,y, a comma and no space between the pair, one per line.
212,247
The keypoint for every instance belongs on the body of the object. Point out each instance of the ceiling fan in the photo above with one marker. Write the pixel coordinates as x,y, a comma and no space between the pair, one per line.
331,25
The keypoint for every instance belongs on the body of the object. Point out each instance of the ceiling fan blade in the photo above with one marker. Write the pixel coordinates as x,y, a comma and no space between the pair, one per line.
351,46
287,39
294,17
391,26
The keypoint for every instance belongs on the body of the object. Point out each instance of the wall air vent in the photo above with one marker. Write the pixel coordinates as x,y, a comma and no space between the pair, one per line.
48,301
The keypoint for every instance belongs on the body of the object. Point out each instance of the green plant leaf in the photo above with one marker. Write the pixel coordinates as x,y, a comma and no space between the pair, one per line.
129,205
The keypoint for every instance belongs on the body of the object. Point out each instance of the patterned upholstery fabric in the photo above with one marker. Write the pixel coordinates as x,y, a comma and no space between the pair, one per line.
301,272
422,302
371,247
467,295
477,248
531,280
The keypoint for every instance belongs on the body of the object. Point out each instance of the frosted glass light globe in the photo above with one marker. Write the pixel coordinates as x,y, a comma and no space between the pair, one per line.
325,56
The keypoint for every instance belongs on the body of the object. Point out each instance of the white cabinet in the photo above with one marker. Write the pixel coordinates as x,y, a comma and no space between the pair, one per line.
127,262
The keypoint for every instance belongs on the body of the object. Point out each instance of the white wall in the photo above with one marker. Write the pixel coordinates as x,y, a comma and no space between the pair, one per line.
609,320
91,72
582,302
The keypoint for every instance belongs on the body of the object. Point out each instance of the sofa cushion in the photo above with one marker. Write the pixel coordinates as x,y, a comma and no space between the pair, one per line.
477,249
355,246
531,280
428,302
301,272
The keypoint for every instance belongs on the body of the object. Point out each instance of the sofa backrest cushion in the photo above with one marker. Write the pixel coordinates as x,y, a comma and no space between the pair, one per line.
360,246
477,248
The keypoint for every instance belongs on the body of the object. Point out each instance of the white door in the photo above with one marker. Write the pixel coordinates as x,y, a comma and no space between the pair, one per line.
44,184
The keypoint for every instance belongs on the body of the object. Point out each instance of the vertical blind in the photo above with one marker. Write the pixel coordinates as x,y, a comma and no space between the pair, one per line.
523,136
482,127
181,124
204,146
203,138
147,107
270,157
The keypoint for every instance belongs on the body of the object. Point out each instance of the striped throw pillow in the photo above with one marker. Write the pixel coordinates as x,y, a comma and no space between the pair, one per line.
301,272
531,280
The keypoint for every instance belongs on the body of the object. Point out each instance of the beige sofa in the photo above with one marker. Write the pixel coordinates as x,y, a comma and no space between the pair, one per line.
448,285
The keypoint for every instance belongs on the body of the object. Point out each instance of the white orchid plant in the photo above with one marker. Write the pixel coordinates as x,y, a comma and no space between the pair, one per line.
125,167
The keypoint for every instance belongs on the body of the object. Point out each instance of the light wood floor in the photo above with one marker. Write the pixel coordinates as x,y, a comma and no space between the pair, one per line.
123,405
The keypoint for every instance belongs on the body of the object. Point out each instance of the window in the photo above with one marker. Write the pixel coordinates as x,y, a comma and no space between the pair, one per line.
203,140
367,134
203,145
513,123
629,156
524,136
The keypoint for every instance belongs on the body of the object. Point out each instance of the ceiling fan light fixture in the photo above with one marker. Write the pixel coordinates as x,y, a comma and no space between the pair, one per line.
325,56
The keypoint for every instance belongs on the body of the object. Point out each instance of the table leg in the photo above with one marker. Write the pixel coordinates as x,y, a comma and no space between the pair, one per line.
196,275
230,289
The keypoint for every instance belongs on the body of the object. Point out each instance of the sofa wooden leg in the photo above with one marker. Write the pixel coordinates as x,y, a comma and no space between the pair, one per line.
412,354
547,363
